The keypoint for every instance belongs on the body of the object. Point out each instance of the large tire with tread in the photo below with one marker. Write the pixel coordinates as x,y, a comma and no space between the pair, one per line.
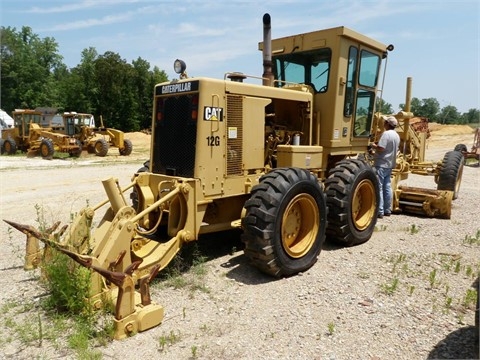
127,148
353,198
47,149
285,222
101,147
9,147
451,171
460,147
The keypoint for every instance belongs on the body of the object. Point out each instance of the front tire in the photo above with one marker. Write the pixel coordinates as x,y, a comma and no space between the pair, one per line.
451,171
285,222
127,148
47,149
352,197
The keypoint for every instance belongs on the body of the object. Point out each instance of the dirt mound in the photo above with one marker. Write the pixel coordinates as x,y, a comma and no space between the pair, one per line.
138,138
442,129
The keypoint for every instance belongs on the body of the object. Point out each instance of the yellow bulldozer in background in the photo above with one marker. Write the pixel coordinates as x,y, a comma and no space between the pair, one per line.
29,136
284,160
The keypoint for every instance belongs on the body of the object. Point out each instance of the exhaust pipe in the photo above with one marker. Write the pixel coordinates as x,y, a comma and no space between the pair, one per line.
267,51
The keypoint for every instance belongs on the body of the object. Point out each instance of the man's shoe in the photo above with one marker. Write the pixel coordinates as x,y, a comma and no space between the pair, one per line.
387,214
380,216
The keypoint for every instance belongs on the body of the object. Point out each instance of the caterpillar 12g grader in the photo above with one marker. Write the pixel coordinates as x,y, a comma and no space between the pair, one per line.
28,136
279,160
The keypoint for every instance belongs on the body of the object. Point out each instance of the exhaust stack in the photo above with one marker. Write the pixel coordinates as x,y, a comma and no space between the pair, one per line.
267,51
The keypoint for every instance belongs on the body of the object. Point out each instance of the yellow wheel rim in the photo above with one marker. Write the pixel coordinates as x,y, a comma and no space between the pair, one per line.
300,225
363,205
98,146
44,150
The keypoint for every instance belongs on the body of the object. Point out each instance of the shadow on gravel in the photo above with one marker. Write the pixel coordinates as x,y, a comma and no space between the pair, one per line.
459,344
242,271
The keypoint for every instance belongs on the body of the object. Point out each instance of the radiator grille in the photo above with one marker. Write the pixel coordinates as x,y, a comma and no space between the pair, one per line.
234,143
175,135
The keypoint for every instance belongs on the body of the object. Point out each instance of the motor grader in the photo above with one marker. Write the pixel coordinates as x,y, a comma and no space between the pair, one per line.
28,136
447,173
280,160
95,140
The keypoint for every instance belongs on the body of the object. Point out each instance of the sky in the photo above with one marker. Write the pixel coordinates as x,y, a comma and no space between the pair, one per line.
436,41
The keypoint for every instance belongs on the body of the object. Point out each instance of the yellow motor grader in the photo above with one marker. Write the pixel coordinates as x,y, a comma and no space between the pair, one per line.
447,173
28,136
93,139
280,160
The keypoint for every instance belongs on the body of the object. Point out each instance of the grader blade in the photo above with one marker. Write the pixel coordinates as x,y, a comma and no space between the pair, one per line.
426,202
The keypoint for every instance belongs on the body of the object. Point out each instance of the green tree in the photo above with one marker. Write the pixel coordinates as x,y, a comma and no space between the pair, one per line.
429,108
449,115
116,99
383,107
472,116
29,69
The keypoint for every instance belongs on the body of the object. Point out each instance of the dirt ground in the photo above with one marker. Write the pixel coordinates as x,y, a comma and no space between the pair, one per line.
247,315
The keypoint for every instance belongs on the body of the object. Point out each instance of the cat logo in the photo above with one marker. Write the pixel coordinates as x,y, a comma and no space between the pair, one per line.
213,113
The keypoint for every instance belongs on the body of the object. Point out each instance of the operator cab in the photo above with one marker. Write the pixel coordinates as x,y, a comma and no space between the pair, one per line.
343,69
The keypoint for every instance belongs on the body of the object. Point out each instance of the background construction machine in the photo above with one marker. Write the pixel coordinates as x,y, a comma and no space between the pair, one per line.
474,152
279,160
93,139
28,136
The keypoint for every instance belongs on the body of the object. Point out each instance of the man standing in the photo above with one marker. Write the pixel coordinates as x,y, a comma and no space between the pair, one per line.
384,161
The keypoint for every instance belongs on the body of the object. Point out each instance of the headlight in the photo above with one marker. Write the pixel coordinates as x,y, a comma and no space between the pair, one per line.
179,66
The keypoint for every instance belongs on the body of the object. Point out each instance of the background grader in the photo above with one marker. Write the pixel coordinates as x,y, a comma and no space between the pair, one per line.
93,139
279,160
28,136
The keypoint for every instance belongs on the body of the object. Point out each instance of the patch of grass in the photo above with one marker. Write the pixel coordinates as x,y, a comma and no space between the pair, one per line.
470,299
186,271
432,277
331,328
472,240
68,284
413,229
389,289
168,340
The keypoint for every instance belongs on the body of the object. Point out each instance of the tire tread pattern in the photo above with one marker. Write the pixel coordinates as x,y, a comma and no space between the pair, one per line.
339,188
450,172
262,212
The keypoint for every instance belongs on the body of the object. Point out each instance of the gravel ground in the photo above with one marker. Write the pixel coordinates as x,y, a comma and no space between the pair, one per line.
401,295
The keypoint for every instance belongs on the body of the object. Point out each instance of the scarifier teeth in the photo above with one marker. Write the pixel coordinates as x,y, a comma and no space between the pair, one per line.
82,260
26,229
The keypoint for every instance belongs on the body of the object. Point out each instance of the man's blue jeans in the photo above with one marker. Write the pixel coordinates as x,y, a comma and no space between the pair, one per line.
384,180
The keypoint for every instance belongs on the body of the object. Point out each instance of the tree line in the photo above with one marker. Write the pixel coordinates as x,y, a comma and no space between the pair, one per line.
33,75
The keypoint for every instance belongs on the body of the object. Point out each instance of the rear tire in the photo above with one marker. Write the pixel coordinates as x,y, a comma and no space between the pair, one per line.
127,148
352,197
451,171
9,147
101,147
134,193
285,222
47,149
1,146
